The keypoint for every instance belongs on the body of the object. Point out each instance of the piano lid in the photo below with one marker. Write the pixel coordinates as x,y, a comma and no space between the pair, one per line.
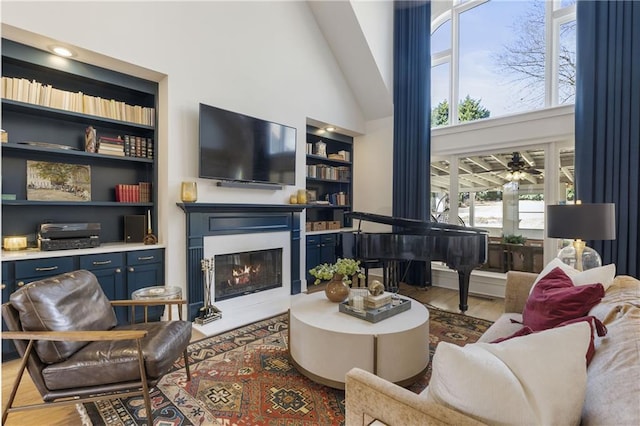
415,224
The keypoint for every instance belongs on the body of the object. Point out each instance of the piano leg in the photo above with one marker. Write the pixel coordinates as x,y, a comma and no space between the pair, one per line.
464,275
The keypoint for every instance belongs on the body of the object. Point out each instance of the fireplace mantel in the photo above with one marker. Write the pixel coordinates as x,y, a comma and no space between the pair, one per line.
222,208
210,219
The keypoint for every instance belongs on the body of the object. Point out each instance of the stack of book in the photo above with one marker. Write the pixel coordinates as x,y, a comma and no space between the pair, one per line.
374,302
111,146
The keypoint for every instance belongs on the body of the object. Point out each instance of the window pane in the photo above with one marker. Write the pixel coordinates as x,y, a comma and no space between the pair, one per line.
565,3
440,95
439,189
567,64
441,38
488,209
502,58
531,210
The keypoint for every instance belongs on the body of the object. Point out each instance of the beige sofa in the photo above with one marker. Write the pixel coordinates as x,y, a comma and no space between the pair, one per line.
613,377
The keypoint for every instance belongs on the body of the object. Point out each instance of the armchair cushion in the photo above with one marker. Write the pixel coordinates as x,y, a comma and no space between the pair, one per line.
49,305
107,362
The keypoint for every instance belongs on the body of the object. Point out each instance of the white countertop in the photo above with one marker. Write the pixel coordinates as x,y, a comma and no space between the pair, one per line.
35,253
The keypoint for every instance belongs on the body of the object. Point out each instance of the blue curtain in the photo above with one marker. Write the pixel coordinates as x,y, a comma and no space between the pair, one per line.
412,112
608,121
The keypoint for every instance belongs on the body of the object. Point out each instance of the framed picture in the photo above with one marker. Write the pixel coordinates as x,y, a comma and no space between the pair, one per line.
58,181
312,195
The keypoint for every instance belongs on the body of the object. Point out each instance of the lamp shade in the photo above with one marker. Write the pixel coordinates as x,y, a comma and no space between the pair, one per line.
582,221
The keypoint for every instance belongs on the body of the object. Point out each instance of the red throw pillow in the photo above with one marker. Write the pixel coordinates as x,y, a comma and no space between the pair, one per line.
555,300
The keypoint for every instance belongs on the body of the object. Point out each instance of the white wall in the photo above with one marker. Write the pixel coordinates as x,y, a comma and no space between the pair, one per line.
373,171
376,21
265,59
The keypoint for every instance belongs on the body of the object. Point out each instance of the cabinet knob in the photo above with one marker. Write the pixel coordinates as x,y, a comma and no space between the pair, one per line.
131,269
118,270
3,286
20,283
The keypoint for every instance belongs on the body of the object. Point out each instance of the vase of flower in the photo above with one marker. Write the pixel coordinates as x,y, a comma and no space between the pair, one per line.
337,290
339,275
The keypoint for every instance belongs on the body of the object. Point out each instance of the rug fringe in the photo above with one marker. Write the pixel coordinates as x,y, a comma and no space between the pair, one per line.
84,416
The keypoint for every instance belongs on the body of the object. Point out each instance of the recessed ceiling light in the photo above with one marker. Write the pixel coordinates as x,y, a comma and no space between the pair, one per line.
62,51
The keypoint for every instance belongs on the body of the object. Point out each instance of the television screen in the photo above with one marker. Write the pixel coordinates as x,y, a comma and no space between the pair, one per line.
237,147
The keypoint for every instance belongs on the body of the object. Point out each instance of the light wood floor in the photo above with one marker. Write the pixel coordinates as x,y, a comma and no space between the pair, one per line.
442,298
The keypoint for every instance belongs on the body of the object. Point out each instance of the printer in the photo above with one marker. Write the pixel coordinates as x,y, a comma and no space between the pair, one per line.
64,236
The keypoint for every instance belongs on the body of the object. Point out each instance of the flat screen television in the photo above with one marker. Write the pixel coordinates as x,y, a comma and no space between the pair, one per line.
236,147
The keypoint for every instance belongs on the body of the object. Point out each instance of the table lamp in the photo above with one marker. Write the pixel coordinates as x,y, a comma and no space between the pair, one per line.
580,222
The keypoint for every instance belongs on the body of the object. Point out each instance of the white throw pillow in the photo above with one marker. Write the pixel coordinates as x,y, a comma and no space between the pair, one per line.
602,274
537,379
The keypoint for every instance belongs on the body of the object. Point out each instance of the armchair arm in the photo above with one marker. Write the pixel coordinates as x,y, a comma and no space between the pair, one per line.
369,397
75,336
147,302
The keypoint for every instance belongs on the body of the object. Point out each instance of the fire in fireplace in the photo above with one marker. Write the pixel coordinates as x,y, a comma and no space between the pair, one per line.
237,274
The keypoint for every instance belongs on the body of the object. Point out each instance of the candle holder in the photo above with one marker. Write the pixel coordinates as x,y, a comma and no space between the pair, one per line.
189,192
149,239
14,243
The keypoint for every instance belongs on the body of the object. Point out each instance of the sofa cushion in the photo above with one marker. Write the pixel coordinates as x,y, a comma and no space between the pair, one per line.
555,300
535,379
105,362
613,382
506,325
51,305
603,274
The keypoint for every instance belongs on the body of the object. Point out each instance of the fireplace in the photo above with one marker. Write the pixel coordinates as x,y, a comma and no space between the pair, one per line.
214,230
243,273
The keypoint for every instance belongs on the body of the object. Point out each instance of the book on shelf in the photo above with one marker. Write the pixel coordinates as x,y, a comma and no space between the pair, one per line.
127,193
149,148
145,192
38,93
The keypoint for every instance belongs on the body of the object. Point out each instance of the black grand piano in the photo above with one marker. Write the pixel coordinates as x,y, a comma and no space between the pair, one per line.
461,248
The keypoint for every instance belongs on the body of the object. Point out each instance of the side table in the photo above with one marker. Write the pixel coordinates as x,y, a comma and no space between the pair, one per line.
158,293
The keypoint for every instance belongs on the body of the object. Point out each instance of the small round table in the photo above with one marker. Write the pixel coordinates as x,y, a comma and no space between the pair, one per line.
324,343
157,293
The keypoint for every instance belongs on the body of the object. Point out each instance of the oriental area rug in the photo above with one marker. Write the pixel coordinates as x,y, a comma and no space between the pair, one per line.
245,377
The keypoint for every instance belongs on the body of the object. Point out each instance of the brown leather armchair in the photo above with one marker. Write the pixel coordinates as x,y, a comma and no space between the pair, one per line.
66,332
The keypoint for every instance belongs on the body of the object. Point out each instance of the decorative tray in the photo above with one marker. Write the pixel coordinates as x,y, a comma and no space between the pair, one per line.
376,314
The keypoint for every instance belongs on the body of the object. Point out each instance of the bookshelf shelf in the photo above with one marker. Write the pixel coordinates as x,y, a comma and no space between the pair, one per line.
37,131
71,116
28,149
327,177
73,203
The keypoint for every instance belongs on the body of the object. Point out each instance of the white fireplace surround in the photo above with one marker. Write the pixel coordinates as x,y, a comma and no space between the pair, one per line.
246,309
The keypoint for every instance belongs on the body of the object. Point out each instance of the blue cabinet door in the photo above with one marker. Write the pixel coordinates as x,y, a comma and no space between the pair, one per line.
320,249
145,268
109,270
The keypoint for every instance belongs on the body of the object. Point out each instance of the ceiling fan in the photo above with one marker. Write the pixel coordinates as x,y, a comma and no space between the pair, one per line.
517,168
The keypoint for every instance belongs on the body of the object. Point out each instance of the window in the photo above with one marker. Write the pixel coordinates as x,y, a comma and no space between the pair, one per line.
502,63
